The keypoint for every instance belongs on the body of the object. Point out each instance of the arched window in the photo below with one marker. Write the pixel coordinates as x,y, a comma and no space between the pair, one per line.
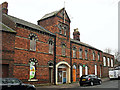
74,52
95,69
86,70
111,62
104,61
33,38
98,56
80,68
93,55
86,56
63,49
108,59
33,62
51,47
80,53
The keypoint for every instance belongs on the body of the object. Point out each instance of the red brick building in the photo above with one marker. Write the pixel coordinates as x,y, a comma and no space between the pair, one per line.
45,53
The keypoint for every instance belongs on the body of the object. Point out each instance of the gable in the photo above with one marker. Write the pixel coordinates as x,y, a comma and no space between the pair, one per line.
63,14
60,13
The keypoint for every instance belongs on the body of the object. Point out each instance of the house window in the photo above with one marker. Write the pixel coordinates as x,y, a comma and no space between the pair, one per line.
33,62
98,56
60,28
60,31
86,70
86,54
93,55
108,59
74,52
50,47
63,49
32,43
80,53
65,31
111,62
104,61
80,70
33,38
95,69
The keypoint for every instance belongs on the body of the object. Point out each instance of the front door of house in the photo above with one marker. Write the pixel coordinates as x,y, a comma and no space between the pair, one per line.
64,76
74,75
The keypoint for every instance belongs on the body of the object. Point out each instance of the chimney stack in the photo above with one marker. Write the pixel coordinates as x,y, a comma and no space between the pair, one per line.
76,34
4,7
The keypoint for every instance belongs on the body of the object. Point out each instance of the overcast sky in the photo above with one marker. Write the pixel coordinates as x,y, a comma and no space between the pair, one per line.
97,20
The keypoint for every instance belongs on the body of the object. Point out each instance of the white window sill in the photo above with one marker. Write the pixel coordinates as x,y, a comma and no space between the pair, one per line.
33,80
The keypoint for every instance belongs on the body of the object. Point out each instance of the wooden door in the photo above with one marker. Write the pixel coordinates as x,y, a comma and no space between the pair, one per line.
74,75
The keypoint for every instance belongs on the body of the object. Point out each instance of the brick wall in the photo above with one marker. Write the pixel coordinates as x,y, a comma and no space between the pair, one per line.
23,55
8,41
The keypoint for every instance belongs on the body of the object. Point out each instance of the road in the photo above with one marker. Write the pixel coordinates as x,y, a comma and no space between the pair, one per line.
111,85
107,84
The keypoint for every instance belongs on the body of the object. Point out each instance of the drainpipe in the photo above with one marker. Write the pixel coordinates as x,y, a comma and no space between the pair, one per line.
71,60
55,60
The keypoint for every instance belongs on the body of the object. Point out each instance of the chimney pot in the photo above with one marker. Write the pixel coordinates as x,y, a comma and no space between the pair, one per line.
4,7
76,34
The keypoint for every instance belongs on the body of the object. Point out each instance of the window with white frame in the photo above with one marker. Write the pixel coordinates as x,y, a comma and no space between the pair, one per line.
95,69
111,62
86,70
80,53
104,61
80,70
51,47
108,61
74,52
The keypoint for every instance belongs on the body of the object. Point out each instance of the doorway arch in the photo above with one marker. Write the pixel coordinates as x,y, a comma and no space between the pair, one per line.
62,73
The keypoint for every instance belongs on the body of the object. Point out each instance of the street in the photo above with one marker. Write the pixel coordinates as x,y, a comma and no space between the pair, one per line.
107,84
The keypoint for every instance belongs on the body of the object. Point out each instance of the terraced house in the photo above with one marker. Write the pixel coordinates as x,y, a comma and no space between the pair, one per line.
45,53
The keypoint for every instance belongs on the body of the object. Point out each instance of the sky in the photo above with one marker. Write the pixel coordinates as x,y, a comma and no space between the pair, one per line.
97,20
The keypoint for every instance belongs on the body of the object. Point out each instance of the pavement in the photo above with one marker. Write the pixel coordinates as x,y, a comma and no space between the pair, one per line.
71,85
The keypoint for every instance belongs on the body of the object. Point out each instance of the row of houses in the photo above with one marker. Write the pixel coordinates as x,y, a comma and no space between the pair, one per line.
45,53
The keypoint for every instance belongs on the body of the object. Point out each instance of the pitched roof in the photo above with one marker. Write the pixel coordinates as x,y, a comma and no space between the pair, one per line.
84,44
6,28
51,14
23,22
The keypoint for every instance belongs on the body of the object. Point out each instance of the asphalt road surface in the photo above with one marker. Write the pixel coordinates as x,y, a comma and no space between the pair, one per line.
107,84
